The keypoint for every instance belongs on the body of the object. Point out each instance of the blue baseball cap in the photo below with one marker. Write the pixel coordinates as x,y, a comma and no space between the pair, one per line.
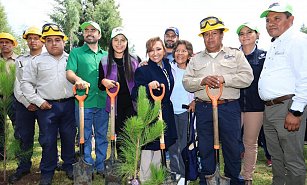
174,29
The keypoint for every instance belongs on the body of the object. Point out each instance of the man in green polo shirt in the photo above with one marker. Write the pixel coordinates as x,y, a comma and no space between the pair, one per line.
82,70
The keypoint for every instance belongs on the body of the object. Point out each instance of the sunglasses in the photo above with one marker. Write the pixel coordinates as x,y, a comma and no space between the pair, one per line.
52,26
212,21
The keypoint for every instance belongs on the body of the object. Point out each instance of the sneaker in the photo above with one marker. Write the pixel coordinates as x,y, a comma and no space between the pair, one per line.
175,177
182,181
44,180
269,162
17,176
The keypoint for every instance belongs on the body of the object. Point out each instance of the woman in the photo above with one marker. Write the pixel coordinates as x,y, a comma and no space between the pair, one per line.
119,66
152,75
252,106
182,52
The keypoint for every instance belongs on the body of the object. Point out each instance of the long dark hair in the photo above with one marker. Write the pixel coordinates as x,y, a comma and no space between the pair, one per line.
126,62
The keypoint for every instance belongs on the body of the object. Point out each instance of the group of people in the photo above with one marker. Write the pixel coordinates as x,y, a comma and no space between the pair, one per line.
252,96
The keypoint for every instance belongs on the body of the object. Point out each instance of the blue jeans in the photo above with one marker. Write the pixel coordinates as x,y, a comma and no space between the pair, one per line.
229,117
98,119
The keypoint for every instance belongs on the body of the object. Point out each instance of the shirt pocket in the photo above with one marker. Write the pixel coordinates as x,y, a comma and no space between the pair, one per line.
229,66
46,71
201,68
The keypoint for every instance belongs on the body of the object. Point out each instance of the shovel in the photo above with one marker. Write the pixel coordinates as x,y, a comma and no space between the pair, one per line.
111,177
162,142
82,170
216,178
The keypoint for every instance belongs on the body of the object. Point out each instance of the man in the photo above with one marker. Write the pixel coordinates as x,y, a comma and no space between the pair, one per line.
82,70
25,111
214,66
285,103
44,84
7,44
171,35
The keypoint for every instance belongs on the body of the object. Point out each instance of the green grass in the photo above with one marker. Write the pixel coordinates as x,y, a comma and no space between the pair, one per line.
262,175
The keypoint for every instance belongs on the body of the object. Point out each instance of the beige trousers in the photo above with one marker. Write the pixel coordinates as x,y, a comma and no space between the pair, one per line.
148,157
252,122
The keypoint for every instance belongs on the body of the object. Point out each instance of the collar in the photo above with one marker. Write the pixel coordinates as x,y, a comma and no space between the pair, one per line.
284,36
85,48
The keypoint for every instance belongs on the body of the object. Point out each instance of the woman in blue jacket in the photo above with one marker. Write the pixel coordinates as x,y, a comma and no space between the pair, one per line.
152,75
252,106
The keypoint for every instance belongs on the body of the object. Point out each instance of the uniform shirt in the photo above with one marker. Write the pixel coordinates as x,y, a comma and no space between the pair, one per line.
44,78
285,69
229,63
9,61
20,63
85,63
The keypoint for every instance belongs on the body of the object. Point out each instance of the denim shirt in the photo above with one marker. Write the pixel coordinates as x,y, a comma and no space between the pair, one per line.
113,76
249,97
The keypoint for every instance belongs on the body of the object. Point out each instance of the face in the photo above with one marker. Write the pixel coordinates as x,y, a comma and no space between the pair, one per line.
91,35
55,45
119,43
34,42
277,23
6,46
157,52
213,40
247,36
181,54
170,38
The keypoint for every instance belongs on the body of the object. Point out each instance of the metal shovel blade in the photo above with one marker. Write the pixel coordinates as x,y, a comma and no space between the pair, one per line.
111,175
217,178
82,172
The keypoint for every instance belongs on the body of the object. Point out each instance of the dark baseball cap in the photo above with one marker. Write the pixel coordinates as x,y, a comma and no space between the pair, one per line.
174,29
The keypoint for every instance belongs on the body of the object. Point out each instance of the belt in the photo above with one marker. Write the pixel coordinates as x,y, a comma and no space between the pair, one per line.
278,100
218,101
61,100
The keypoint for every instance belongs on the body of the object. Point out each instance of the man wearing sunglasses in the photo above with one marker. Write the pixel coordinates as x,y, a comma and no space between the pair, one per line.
7,44
44,84
285,101
218,67
82,70
25,111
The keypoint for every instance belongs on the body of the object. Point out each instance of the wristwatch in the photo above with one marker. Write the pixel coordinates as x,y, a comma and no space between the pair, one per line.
296,113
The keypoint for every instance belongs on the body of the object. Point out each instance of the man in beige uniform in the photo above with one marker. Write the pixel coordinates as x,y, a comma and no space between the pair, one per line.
214,66
7,44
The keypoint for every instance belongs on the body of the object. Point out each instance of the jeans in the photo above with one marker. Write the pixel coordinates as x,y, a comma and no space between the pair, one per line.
98,119
229,118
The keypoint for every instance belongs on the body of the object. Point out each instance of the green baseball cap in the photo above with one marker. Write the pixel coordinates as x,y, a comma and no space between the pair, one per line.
94,24
277,7
247,24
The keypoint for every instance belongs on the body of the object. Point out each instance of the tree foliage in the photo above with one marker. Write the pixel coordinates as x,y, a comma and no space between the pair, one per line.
70,14
4,26
304,29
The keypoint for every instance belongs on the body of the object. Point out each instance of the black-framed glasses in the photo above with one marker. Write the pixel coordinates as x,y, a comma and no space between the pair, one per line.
52,26
212,21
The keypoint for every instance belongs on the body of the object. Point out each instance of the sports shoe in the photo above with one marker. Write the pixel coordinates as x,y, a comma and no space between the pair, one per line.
269,162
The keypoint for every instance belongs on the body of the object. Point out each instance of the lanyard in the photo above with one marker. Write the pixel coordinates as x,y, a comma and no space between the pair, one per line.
167,78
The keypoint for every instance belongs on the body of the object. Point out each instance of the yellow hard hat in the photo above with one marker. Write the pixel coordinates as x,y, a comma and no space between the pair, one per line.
211,23
8,36
50,29
32,30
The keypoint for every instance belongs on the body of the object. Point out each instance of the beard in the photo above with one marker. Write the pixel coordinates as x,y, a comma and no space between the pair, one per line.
169,45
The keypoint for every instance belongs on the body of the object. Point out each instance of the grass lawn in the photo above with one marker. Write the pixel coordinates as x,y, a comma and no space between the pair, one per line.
262,174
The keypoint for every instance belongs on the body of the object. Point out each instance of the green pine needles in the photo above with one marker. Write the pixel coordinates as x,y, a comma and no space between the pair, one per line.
138,131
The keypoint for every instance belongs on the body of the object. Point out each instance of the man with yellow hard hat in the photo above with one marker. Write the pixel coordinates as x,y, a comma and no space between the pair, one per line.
7,44
25,111
215,66
44,84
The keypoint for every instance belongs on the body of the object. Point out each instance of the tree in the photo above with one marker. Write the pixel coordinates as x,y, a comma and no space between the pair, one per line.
70,14
304,29
4,26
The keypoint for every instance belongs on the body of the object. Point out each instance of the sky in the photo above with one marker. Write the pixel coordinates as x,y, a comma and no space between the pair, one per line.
143,19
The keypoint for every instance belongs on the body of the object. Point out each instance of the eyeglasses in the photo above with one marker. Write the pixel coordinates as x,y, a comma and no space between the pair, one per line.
52,26
212,21
170,36
181,51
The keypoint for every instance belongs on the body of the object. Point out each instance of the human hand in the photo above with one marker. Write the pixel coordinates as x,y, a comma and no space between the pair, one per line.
192,106
292,123
154,85
109,84
143,63
32,107
213,81
81,84
45,106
